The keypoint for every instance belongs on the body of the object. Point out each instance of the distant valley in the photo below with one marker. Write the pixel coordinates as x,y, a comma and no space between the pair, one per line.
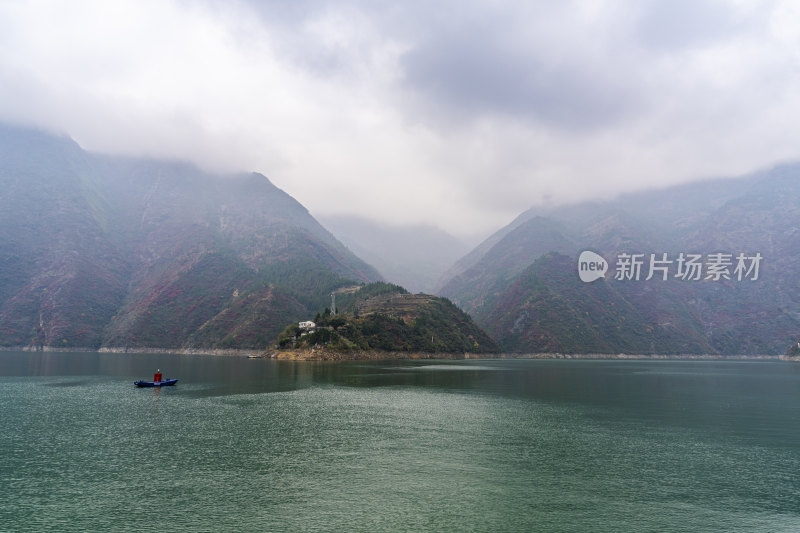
415,257
125,253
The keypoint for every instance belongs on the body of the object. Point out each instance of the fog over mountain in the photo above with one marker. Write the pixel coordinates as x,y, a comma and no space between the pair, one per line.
522,283
457,115
100,251
415,257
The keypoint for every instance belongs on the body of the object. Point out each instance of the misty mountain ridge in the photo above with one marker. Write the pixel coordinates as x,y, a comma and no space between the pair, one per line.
676,206
415,257
531,265
124,252
101,251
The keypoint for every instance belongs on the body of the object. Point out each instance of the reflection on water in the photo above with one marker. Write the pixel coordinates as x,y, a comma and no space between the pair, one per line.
504,445
70,383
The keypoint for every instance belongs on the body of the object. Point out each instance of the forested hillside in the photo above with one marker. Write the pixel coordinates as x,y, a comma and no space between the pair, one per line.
531,300
100,251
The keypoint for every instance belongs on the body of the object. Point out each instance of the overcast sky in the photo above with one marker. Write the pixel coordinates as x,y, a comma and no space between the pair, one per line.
460,114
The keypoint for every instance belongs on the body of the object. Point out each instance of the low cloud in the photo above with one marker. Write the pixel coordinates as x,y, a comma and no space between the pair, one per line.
453,114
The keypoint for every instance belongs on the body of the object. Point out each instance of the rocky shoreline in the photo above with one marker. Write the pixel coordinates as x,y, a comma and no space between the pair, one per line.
322,354
329,355
319,354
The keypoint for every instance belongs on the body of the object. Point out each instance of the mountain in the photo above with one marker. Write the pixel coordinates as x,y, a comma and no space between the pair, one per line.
99,251
547,308
415,257
531,299
386,317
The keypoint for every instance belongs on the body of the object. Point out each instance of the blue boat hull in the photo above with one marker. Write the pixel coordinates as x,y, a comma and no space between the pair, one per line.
164,383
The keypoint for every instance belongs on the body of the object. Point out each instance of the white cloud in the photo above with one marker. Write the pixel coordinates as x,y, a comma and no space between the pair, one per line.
416,112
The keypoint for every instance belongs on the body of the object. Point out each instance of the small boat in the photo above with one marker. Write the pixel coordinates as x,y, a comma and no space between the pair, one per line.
163,383
157,381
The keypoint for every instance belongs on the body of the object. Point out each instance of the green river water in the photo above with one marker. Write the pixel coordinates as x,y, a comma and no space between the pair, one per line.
479,445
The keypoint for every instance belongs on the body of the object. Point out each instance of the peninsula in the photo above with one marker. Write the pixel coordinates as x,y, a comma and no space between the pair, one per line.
382,320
